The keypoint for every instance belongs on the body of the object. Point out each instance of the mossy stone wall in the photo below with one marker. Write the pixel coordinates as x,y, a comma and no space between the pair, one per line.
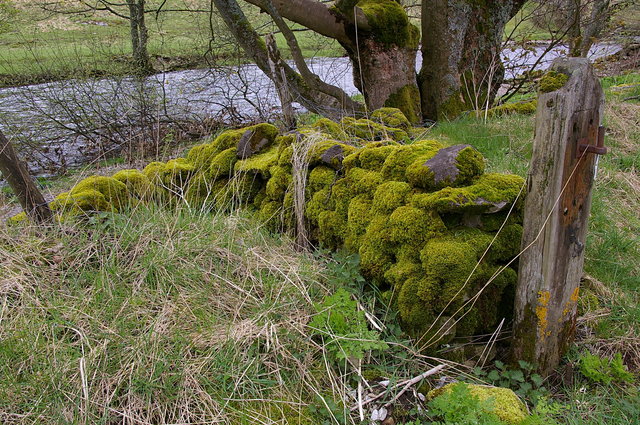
420,214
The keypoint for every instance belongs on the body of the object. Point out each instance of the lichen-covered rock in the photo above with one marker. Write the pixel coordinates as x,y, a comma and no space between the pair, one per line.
504,402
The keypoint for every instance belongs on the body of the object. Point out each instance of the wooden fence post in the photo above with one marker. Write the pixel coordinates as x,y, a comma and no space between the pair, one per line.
17,175
556,215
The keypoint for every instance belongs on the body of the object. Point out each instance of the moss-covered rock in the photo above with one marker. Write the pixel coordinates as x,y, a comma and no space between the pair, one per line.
332,128
396,162
371,131
113,191
389,196
80,201
258,164
490,193
137,183
504,402
453,166
391,117
222,165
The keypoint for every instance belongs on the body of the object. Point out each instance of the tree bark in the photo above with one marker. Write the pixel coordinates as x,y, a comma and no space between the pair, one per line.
139,36
461,45
17,175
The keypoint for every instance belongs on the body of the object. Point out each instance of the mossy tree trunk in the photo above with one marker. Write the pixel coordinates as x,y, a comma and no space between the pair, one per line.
461,44
379,39
460,47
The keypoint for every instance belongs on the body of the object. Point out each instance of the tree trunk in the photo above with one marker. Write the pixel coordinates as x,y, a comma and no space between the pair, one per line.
387,77
17,175
382,48
461,44
139,36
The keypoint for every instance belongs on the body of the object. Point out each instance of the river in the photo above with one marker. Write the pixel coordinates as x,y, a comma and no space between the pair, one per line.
64,123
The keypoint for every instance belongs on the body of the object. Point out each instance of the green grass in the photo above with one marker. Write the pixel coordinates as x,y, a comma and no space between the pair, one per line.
175,316
157,316
36,45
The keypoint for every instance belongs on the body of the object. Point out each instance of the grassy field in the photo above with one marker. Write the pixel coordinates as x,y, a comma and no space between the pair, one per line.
171,315
36,44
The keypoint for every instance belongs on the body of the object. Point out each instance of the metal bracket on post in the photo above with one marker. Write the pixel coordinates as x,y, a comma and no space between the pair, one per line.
592,144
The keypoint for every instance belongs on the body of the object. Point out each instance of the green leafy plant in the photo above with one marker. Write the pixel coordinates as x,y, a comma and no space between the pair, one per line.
343,327
605,371
460,407
523,381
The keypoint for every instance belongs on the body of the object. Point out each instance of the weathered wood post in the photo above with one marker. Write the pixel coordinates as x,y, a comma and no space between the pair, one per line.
556,214
17,175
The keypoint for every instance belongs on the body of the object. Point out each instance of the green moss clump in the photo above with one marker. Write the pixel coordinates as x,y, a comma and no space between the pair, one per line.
522,108
414,227
201,155
279,183
505,404
358,218
332,229
270,212
407,100
391,117
396,163
402,271
552,81
153,171
114,191
18,218
490,193
587,302
389,196
448,262
389,23
371,131
321,178
331,128
376,250
177,172
77,202
320,201
363,182
258,164
223,164
373,156
137,183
